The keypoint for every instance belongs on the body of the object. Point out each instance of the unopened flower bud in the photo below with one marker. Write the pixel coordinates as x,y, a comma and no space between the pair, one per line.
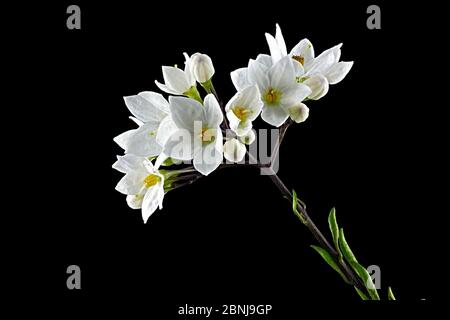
299,112
202,67
233,150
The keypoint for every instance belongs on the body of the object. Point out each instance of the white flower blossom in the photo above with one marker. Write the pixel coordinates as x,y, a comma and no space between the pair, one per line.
151,111
278,87
244,107
318,72
142,183
177,81
199,136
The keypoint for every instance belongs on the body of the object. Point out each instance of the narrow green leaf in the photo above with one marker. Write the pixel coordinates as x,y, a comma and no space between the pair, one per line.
390,294
359,269
329,260
346,251
334,228
294,208
367,280
361,294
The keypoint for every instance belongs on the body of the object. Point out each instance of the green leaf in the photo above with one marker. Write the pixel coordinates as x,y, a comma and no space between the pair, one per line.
359,269
294,208
346,251
334,228
365,277
390,294
361,294
329,260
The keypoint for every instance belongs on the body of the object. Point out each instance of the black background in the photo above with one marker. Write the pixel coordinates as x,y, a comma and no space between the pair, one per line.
371,148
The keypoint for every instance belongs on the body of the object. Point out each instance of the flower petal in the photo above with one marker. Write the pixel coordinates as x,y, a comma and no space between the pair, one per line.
143,141
132,182
166,128
175,79
305,50
136,120
210,156
257,75
338,71
212,114
158,101
124,138
166,89
280,41
187,69
185,112
295,94
265,60
128,162
239,78
243,128
180,145
275,51
325,60
152,200
318,84
147,106
274,115
135,201
233,120
282,74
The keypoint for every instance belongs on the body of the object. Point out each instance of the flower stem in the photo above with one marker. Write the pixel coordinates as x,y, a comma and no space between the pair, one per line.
306,219
318,235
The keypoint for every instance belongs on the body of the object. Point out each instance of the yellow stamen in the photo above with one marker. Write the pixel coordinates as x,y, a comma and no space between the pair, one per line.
207,135
272,96
299,59
241,113
151,180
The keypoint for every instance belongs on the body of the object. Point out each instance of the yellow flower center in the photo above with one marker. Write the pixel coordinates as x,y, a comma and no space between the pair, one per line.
151,180
241,113
207,135
272,96
299,59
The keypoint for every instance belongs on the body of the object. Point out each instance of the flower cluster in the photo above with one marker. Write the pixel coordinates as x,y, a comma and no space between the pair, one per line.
188,128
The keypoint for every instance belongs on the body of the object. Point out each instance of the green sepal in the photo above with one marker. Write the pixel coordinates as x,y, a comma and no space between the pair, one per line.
193,94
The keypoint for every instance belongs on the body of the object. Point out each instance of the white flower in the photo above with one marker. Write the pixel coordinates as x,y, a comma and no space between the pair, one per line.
177,81
239,77
318,72
199,136
243,108
234,150
328,64
142,183
151,111
278,87
201,67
